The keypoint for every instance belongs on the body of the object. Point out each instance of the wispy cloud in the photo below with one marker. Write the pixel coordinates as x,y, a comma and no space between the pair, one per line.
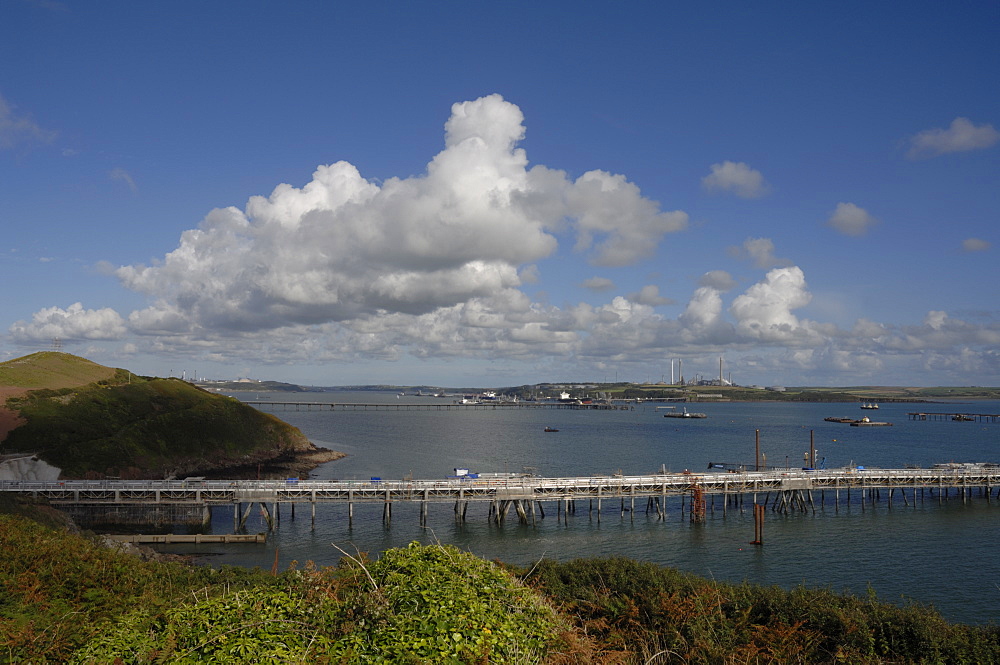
961,136
650,295
124,176
598,284
975,245
18,129
758,250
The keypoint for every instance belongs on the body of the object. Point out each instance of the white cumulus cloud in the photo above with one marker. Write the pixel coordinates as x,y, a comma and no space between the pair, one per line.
343,248
764,311
961,136
851,220
72,323
719,279
736,178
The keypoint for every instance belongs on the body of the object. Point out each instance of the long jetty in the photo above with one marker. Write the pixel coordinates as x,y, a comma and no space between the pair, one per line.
956,416
443,406
781,490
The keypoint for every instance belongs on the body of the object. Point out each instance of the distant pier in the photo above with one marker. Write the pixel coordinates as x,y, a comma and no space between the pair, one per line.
956,416
439,406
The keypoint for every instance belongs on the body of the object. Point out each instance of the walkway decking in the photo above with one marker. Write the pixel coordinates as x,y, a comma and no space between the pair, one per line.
956,416
439,406
791,489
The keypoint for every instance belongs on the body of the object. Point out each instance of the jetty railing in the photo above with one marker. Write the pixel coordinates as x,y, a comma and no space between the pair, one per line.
470,488
790,489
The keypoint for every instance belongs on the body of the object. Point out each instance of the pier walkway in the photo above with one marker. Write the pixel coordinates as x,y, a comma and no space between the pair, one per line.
790,489
440,406
957,416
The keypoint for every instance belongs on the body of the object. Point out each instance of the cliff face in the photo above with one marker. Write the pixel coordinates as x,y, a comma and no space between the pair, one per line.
135,427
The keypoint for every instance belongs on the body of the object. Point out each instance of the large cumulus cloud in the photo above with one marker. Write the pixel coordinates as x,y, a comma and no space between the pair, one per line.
342,247
75,323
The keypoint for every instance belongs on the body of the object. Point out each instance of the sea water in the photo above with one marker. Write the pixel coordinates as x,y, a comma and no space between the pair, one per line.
939,553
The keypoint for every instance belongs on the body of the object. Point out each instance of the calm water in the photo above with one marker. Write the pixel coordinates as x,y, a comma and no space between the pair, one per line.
932,553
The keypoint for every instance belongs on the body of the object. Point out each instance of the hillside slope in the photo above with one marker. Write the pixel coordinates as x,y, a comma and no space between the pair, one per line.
95,421
53,370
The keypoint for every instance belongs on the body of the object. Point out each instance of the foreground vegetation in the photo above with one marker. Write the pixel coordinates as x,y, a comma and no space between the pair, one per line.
65,598
123,425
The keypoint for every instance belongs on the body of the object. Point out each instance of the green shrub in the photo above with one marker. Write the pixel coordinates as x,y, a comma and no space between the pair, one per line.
419,604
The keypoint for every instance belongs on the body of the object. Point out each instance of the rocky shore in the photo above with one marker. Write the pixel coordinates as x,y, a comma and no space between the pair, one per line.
296,464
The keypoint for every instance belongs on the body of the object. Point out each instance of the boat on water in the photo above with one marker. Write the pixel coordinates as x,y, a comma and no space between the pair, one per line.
551,429
833,419
869,405
684,414
866,422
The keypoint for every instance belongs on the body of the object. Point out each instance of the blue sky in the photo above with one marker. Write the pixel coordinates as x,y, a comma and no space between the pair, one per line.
490,194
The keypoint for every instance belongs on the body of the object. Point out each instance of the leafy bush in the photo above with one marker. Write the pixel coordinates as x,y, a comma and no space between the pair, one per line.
419,604
258,625
641,609
437,604
56,588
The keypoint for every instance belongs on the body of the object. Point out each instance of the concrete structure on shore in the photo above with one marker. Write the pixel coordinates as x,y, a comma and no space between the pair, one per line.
26,467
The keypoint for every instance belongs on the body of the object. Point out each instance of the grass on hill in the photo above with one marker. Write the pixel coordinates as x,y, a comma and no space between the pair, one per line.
148,428
54,370
94,421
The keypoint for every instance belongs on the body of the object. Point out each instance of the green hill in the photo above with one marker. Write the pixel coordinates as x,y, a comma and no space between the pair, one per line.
95,421
53,370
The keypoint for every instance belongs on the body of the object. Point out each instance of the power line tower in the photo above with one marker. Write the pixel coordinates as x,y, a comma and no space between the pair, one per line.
56,344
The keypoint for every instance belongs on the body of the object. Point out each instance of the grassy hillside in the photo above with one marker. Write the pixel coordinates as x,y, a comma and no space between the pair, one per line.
53,370
135,427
